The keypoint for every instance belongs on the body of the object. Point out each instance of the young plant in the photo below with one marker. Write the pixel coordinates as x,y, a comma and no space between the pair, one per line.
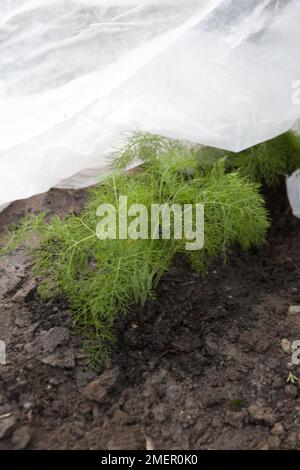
102,279
264,163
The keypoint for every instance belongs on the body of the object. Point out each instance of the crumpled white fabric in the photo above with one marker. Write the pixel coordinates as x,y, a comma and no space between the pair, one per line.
76,75
293,192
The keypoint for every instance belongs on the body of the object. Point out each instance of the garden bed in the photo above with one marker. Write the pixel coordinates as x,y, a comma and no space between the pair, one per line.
200,367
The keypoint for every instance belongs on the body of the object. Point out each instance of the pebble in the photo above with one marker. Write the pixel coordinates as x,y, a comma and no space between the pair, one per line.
277,429
98,388
286,346
294,310
27,405
262,415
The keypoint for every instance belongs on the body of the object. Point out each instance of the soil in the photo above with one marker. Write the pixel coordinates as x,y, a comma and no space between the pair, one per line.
203,366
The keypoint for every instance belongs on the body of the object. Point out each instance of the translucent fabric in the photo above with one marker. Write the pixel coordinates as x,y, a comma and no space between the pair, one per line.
78,75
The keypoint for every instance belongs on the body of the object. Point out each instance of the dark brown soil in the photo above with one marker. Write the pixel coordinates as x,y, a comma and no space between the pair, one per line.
201,367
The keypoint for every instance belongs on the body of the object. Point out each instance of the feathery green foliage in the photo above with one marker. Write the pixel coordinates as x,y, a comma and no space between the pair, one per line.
264,163
103,278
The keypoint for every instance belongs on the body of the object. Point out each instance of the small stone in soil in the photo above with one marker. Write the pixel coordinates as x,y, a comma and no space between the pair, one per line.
294,309
27,405
98,388
262,415
277,429
286,346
